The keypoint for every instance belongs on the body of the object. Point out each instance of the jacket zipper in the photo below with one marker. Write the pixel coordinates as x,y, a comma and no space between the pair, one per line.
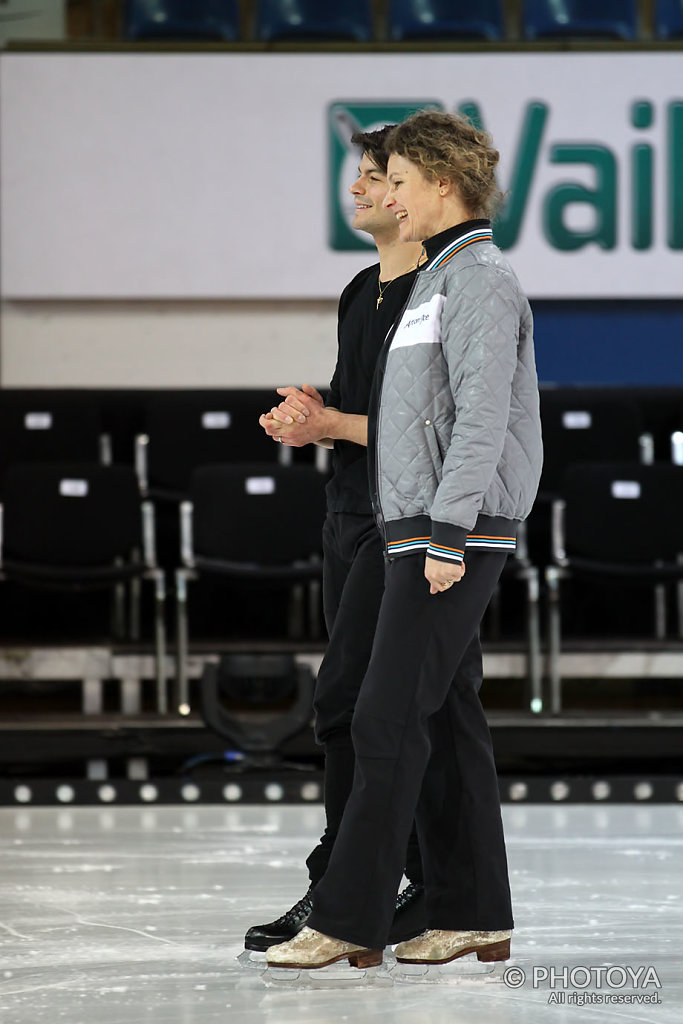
379,514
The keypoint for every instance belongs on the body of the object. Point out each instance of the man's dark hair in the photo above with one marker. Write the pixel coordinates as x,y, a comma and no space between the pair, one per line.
373,143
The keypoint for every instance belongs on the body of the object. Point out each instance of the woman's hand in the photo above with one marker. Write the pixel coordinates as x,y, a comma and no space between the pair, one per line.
442,575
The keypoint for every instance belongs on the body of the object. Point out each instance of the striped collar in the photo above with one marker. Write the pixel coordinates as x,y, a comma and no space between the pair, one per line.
440,248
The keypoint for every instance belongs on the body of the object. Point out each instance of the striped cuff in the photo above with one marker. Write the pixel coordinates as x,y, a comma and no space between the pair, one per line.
447,543
488,543
445,554
407,547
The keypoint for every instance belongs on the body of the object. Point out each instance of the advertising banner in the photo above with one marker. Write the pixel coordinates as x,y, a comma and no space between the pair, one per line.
225,175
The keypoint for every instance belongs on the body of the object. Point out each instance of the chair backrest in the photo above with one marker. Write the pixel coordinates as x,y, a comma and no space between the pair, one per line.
313,19
581,427
669,19
40,426
612,18
187,429
181,19
70,514
624,512
438,19
257,513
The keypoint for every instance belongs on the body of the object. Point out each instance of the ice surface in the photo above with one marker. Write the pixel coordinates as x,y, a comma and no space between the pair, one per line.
128,915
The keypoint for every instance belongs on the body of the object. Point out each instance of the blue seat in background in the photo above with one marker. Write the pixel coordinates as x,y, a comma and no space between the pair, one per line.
669,19
311,19
612,18
456,19
182,19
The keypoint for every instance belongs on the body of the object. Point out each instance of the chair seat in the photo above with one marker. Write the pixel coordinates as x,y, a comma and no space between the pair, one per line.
669,19
628,572
97,576
616,19
247,570
312,20
182,19
452,19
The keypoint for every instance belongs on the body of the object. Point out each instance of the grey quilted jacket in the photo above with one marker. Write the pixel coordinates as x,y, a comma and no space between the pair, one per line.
458,448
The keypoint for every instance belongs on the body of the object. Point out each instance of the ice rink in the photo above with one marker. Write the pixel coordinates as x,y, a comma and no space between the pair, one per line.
122,915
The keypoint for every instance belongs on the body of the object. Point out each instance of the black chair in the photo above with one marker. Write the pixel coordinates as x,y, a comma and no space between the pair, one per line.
617,522
580,426
446,19
205,20
78,527
257,522
50,426
669,19
613,19
188,429
584,426
312,20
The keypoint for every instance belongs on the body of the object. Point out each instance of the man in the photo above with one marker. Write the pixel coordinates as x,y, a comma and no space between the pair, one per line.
353,574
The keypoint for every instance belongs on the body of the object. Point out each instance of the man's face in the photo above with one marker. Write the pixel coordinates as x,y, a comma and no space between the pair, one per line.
368,193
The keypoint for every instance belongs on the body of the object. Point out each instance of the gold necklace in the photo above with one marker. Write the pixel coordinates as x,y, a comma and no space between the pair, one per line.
382,290
422,255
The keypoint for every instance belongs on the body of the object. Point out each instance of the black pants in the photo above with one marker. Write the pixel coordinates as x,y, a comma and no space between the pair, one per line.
423,752
353,585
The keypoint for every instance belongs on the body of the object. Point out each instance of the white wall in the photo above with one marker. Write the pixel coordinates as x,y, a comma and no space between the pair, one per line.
167,344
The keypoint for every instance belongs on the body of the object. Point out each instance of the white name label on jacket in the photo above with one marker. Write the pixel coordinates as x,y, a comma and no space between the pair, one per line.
420,326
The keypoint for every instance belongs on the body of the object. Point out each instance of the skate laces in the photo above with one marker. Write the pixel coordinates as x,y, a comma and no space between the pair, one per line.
409,893
304,906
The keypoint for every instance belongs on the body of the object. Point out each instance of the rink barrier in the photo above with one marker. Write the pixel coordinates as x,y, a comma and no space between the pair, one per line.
293,789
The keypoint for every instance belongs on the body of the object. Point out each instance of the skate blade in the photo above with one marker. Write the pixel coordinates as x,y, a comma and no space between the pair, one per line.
463,971
250,960
327,977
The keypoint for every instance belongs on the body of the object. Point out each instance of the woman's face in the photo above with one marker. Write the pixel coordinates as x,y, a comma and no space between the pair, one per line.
416,201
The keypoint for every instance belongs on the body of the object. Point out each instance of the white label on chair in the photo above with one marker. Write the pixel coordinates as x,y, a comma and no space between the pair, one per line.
216,420
38,420
625,489
73,488
576,420
260,485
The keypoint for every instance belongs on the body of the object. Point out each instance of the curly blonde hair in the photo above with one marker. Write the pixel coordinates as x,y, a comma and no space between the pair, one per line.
451,147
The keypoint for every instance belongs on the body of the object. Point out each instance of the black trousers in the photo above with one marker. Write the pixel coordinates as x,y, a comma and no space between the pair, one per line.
353,585
423,752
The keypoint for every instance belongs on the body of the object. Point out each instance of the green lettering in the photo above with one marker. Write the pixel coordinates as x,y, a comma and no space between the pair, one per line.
642,116
470,109
603,199
509,220
675,161
641,197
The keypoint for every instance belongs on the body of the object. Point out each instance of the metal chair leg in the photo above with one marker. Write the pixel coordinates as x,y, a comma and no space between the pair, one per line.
296,613
534,640
160,640
554,639
182,689
118,610
134,613
660,610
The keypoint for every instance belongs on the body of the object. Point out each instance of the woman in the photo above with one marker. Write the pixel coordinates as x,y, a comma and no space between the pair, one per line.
457,449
